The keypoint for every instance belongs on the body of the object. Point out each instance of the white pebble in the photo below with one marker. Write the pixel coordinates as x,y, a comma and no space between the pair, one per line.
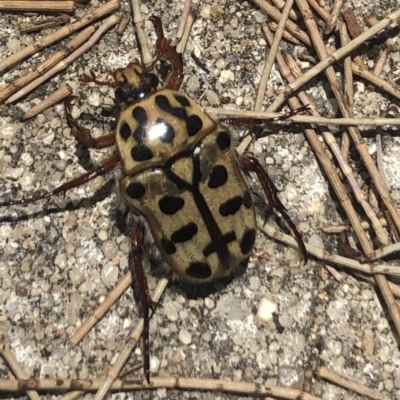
265,310
185,337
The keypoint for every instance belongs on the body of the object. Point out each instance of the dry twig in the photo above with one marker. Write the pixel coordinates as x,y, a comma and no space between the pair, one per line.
61,33
55,6
108,23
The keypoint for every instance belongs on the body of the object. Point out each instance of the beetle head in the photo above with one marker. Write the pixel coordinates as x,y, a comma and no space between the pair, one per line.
134,83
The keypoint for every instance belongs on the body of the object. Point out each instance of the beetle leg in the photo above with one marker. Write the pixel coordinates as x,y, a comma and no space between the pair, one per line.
146,302
83,135
102,169
164,48
92,78
251,164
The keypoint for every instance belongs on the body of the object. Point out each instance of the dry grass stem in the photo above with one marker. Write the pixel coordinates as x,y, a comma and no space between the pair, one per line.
214,385
271,56
61,33
29,27
130,345
330,26
276,15
335,229
108,23
141,33
321,11
96,316
221,113
123,23
365,156
187,9
60,94
375,80
280,4
371,20
350,384
36,6
11,361
286,35
47,64
189,21
348,88
366,268
334,57
321,153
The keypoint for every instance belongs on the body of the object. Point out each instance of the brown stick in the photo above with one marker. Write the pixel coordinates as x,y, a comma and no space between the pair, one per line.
36,6
60,94
61,33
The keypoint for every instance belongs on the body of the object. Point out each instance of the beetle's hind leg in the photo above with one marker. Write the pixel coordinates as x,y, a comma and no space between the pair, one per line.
83,135
147,304
251,164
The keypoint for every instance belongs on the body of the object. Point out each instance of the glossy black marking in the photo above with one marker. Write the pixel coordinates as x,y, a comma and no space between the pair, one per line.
247,242
168,133
198,270
141,153
185,233
224,140
168,246
222,241
182,100
125,131
247,200
171,204
231,206
193,123
218,176
135,190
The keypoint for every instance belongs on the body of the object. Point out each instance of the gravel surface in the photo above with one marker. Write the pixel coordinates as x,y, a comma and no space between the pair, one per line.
60,258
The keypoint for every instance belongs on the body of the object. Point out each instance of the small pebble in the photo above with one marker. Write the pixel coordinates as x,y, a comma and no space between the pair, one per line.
265,310
185,337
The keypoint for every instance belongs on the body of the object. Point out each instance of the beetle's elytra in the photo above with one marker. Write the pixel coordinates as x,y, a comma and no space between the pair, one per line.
180,172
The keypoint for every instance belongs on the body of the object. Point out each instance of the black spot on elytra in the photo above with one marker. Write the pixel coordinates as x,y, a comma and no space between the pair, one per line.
247,242
247,200
198,270
168,246
168,134
182,100
231,206
222,241
171,204
125,131
141,153
185,233
193,123
218,177
135,190
224,140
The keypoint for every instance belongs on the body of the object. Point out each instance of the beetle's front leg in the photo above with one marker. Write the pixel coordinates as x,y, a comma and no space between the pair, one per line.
164,48
251,164
147,304
83,135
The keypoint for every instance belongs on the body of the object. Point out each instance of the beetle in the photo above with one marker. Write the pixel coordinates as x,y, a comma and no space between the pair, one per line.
180,173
